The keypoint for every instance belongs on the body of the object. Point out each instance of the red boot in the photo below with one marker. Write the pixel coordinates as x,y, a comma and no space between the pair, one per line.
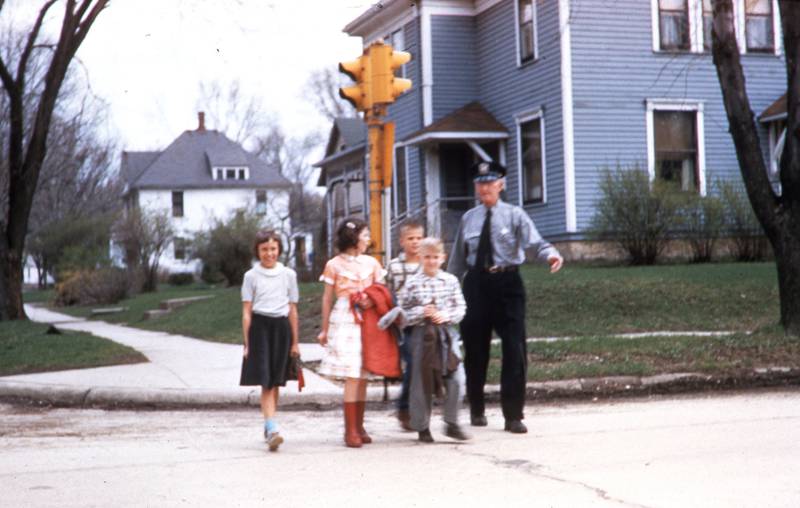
360,423
352,438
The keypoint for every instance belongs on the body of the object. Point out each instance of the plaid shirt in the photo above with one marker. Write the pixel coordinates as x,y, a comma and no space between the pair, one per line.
442,290
398,272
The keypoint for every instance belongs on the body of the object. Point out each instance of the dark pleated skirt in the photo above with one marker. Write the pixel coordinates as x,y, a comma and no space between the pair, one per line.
267,362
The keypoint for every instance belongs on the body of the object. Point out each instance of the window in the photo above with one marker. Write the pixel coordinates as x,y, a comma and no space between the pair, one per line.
242,175
230,174
708,19
531,160
218,174
526,27
676,148
398,42
400,182
179,248
777,139
355,196
673,24
177,203
261,202
758,26
338,199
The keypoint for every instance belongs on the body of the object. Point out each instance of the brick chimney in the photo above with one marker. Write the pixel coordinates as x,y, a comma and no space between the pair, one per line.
201,121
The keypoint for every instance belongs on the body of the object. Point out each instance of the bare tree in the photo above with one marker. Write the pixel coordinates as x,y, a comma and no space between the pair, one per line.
232,112
291,156
322,92
27,143
144,236
778,214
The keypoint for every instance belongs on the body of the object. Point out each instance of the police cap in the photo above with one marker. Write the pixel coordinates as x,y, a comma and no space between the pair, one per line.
490,171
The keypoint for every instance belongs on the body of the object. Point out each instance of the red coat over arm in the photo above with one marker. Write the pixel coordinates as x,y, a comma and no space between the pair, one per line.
379,352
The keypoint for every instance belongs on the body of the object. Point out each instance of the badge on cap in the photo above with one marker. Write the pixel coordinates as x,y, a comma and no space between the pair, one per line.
483,168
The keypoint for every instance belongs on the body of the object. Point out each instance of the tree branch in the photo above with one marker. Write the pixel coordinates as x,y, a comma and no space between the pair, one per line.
790,159
741,121
26,53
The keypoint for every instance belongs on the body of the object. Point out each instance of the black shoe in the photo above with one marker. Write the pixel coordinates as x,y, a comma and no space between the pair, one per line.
425,436
455,431
516,427
478,421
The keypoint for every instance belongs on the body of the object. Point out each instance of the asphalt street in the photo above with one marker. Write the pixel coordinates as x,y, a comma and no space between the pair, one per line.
740,449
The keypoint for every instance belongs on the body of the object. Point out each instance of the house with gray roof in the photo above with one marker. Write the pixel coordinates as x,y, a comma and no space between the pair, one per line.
558,90
201,176
343,173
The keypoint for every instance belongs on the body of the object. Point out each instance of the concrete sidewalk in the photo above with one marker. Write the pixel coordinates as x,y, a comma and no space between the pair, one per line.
181,371
186,372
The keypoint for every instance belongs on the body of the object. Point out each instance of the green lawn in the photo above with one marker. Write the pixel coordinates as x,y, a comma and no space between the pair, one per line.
25,347
580,300
583,300
217,319
610,356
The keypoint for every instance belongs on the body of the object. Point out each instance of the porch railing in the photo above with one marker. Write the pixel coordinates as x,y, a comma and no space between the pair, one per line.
441,218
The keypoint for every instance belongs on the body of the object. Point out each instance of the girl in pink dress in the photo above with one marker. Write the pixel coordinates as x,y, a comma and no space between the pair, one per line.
345,274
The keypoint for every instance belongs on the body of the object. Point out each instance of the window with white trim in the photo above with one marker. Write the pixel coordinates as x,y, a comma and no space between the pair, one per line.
676,148
179,248
177,203
530,136
398,42
526,30
400,193
261,202
673,25
708,21
758,26
685,25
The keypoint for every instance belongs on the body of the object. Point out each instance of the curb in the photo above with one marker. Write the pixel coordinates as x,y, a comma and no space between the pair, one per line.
570,389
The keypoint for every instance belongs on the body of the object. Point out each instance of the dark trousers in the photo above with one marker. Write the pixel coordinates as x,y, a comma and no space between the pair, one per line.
405,356
495,301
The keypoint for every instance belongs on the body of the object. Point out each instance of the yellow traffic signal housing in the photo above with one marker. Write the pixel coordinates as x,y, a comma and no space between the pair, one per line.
384,62
359,95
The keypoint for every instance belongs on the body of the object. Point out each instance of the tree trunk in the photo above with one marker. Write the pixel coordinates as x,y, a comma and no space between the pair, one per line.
10,284
778,215
787,258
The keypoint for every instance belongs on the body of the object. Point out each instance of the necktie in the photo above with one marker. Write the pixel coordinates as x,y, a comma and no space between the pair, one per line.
484,256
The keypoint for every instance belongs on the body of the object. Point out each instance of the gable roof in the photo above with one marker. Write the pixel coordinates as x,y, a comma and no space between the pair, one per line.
134,163
353,134
186,163
468,122
351,131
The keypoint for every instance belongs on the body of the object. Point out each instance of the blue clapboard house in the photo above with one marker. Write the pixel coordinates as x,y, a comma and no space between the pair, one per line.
558,90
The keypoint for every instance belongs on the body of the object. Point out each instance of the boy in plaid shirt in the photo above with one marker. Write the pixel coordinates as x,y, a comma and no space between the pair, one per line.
399,270
434,305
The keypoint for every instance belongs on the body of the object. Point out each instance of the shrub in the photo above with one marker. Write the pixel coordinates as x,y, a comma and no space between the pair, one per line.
90,287
703,222
227,248
748,240
180,279
635,213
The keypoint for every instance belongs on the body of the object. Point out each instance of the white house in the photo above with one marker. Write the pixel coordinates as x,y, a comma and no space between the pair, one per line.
200,176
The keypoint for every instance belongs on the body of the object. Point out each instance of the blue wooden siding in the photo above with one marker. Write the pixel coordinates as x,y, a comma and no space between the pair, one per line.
406,112
454,65
615,71
507,90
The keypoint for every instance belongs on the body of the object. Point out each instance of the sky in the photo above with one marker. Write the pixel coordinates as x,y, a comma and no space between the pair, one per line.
147,58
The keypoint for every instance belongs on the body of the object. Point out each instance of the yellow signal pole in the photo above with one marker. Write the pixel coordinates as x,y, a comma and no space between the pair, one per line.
376,87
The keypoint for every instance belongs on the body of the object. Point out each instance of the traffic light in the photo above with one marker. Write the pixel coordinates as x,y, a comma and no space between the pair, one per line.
360,94
385,61
373,73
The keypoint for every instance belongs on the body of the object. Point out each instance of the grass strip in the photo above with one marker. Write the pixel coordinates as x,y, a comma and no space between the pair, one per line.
26,347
